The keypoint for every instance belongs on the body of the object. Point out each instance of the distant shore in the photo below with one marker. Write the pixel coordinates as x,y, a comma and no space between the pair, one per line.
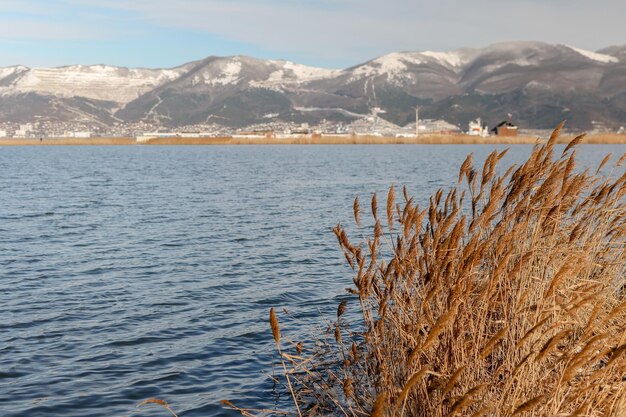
324,140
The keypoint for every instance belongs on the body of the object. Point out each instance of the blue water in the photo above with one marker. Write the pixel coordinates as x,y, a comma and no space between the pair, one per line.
135,272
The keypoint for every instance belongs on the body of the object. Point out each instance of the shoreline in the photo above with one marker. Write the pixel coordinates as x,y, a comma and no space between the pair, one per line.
612,139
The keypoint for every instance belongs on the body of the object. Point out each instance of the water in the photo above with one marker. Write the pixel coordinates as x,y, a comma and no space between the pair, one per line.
135,272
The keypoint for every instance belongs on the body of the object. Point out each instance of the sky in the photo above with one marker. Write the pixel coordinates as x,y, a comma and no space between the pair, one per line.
325,33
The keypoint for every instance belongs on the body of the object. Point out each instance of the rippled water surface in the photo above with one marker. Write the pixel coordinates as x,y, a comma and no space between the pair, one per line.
135,272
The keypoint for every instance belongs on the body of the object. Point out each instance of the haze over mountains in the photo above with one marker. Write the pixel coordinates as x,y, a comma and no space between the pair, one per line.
539,84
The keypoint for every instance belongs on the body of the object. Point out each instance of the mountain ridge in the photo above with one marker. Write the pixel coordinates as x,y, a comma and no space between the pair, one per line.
537,83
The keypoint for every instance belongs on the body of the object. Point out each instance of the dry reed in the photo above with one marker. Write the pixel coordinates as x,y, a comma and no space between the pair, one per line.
426,139
67,141
158,402
429,139
503,297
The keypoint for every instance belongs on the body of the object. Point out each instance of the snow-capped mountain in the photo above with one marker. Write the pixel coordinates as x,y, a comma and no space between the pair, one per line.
538,83
97,82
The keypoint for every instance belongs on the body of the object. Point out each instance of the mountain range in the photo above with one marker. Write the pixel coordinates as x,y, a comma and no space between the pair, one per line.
534,84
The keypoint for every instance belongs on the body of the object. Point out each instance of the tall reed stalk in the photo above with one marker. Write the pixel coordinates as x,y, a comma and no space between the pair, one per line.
505,296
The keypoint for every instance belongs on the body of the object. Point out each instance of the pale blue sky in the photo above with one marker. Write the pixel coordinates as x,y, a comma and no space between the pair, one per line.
329,33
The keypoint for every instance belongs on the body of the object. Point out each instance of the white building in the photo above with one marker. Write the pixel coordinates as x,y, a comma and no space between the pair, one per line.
160,134
146,136
476,128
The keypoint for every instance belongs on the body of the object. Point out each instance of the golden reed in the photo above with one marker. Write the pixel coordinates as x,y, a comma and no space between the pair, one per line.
505,296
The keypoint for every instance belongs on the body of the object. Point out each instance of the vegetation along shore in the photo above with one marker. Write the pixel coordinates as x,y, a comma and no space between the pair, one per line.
323,140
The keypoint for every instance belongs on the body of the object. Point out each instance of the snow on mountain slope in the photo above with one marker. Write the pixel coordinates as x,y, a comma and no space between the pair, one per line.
452,59
303,73
224,72
99,82
400,67
595,56
394,65
257,73
274,75
8,71
287,73
618,52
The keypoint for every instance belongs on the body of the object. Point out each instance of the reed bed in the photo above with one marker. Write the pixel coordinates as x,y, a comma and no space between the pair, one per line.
305,140
603,138
505,296
66,141
429,139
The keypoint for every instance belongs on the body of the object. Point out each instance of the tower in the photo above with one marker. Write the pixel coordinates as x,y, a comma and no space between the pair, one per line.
417,121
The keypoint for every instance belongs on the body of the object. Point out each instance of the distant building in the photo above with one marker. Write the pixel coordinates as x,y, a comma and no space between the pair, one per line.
300,131
476,128
429,126
505,129
24,131
144,138
154,135
3,133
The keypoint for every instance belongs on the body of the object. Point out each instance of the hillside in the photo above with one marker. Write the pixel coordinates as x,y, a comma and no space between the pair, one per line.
538,84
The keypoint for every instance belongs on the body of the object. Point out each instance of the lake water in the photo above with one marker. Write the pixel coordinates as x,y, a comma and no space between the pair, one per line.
135,272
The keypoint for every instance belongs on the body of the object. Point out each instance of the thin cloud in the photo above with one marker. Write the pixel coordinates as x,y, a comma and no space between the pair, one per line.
344,31
344,26
35,20
24,7
28,29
